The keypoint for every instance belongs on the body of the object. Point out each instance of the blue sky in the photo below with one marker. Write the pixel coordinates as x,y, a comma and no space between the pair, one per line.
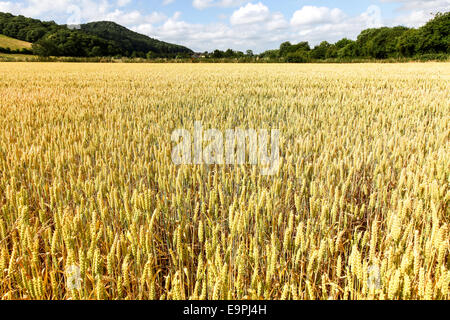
238,24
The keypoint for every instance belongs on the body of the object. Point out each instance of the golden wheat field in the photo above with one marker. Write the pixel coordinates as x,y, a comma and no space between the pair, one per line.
359,208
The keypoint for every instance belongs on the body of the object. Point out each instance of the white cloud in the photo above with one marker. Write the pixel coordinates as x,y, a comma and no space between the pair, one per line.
337,27
413,19
430,5
145,28
277,22
87,10
203,4
414,13
251,13
309,15
7,6
133,17
372,18
81,11
123,3
167,2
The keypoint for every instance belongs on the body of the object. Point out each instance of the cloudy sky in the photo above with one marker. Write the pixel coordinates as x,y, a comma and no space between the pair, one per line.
238,24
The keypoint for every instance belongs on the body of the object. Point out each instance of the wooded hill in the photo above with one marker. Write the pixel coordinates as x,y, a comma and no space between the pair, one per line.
89,40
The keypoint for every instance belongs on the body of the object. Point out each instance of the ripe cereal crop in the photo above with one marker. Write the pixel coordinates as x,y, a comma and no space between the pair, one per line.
93,207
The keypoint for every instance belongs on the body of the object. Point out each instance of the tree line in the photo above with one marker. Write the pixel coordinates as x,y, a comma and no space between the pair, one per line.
432,40
108,39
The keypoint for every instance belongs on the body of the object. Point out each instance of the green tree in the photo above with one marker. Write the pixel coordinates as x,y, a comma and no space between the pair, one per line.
45,48
321,51
348,51
229,53
217,54
285,48
300,56
407,43
434,37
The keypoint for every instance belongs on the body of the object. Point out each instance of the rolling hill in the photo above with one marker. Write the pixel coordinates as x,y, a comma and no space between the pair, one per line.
130,40
13,44
93,39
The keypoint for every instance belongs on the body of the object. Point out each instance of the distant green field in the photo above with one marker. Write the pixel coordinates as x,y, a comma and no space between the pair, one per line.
13,44
16,55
